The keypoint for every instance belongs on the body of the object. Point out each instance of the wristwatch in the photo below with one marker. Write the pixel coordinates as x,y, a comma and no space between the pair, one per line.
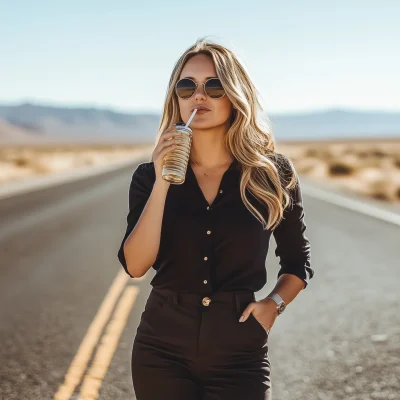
280,304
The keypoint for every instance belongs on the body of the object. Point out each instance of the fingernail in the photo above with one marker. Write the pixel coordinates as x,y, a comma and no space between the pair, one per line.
241,319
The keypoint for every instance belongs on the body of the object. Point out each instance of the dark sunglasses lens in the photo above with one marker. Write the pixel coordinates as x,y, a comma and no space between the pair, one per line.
214,88
185,88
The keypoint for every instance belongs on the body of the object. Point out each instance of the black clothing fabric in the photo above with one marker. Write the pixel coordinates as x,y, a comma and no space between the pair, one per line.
186,348
207,248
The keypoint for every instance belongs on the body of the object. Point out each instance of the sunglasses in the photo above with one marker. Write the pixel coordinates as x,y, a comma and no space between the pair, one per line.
186,87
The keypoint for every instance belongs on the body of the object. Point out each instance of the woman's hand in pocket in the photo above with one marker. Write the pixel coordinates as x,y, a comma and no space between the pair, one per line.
264,311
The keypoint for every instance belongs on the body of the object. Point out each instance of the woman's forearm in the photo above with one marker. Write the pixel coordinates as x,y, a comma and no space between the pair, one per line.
142,245
288,286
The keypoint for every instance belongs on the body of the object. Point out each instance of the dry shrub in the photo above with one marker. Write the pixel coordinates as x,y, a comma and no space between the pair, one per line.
343,166
372,162
311,152
382,190
340,168
363,154
21,162
379,183
378,153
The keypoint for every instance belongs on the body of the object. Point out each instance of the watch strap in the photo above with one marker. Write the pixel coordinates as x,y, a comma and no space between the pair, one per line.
280,304
276,298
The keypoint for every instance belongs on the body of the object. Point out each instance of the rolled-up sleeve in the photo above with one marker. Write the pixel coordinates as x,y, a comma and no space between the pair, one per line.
292,245
139,192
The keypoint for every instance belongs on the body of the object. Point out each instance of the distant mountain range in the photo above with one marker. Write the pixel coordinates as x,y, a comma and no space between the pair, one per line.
29,123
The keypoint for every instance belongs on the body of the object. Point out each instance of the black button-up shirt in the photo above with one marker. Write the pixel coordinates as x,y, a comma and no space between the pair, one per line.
221,246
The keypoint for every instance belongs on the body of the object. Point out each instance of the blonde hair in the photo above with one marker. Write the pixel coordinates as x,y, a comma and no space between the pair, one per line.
249,137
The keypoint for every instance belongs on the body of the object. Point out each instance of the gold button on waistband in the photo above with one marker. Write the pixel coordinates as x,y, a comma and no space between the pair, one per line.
206,301
208,232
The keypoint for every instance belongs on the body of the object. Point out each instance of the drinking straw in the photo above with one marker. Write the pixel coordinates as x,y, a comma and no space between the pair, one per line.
191,117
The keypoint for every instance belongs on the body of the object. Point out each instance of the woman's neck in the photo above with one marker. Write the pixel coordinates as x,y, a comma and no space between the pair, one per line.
208,148
210,159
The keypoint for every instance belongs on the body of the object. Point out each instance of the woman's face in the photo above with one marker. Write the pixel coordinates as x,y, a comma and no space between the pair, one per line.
201,67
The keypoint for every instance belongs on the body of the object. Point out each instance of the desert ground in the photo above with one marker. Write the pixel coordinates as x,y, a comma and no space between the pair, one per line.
18,163
368,167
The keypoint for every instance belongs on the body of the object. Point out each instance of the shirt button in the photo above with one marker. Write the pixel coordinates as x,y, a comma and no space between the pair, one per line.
206,258
208,232
208,208
220,191
204,281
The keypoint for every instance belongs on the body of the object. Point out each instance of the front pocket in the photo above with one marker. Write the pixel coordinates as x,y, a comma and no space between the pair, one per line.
258,325
154,301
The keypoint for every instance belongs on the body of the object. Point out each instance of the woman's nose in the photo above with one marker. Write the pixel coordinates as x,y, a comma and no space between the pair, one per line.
200,93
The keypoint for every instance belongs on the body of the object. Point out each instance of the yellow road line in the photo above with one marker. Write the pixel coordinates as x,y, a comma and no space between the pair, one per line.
109,343
81,359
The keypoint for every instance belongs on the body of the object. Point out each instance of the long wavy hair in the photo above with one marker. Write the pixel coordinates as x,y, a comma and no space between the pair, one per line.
249,138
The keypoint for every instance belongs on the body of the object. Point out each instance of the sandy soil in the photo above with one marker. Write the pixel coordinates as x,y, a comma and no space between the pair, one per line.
17,163
369,167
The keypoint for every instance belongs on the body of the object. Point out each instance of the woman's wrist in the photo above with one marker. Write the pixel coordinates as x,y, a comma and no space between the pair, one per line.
161,184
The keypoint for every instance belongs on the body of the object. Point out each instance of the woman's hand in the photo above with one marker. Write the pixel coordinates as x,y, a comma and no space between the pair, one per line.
264,311
167,142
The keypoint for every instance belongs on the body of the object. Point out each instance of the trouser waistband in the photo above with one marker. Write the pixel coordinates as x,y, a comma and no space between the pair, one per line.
237,298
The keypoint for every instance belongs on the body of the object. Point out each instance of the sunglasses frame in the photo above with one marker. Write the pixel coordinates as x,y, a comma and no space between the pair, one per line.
204,87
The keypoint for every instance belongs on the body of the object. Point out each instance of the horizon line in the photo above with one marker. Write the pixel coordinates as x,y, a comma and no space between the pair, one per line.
121,110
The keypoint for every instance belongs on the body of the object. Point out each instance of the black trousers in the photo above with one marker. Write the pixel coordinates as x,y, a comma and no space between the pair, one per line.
188,347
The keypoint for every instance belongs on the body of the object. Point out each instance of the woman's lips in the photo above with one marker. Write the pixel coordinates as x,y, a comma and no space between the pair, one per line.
202,111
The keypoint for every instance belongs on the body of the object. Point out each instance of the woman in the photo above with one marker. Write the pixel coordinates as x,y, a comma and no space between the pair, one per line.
202,334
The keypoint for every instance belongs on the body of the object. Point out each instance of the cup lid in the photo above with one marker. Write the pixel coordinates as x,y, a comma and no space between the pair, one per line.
181,125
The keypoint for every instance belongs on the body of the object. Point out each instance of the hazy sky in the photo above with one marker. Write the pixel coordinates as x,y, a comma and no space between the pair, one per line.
302,55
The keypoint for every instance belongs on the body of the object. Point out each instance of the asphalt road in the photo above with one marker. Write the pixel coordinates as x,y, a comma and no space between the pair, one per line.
339,339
